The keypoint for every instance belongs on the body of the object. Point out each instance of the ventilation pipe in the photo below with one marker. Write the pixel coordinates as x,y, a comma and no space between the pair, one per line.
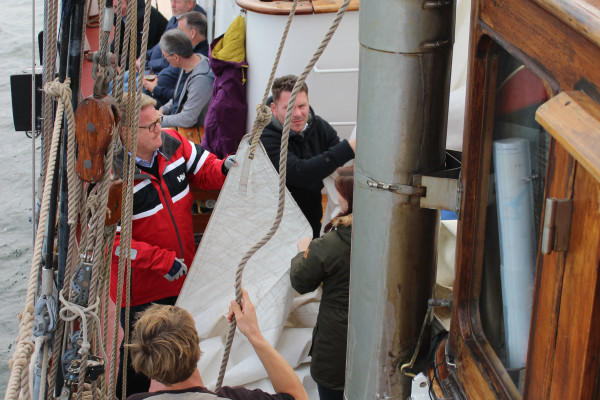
404,81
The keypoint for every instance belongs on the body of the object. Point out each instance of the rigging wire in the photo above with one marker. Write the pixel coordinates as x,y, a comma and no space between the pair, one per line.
33,124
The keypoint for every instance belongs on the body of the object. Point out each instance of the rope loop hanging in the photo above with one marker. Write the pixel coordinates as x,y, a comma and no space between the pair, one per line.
282,168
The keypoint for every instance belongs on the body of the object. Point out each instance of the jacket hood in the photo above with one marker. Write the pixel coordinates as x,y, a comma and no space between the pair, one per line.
346,220
343,227
231,46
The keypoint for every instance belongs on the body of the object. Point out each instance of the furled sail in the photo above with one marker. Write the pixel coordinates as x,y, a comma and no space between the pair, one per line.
242,216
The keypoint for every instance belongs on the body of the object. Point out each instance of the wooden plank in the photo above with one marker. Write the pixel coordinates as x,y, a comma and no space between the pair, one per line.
200,221
332,6
200,194
275,7
578,341
548,288
567,60
573,118
303,7
582,15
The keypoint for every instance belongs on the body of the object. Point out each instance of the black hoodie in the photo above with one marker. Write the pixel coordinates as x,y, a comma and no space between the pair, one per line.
312,156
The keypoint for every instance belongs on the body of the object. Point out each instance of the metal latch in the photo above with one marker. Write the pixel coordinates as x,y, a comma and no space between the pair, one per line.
557,225
442,191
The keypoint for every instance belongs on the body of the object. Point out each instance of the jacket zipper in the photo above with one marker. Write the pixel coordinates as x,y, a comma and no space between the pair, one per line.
171,214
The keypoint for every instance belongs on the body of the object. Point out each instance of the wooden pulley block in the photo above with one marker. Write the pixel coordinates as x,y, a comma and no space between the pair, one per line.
113,205
95,119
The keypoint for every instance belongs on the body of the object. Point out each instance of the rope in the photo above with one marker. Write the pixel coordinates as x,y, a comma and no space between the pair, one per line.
75,189
122,52
50,28
40,342
24,346
263,112
135,115
86,8
282,173
44,372
127,196
72,311
93,21
97,205
109,239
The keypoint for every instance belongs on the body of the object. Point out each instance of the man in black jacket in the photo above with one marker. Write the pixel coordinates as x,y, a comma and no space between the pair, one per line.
314,150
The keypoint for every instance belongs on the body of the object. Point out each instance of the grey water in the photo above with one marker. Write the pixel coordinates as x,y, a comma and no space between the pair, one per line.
16,235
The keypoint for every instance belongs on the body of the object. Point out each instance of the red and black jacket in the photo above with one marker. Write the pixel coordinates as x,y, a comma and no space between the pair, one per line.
162,226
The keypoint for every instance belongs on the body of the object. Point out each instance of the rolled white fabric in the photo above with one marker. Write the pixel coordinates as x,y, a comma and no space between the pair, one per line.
514,197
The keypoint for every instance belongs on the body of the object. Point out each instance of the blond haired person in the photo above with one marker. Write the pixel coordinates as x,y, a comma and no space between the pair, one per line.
165,347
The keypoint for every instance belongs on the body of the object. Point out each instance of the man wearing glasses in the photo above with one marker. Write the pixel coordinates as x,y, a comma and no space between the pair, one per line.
162,244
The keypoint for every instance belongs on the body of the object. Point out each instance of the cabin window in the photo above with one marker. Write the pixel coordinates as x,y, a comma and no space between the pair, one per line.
517,168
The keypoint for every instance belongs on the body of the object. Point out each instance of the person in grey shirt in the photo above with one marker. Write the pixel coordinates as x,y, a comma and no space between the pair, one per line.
188,107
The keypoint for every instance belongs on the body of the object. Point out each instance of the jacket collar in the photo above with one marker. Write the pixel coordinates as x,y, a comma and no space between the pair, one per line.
166,150
346,220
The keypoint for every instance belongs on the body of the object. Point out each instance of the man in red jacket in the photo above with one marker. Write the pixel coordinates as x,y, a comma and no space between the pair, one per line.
162,245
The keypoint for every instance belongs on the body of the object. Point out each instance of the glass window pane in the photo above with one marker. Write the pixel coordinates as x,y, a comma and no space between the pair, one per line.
515,200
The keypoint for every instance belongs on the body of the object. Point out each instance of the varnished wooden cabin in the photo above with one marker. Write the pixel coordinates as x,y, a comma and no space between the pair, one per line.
534,74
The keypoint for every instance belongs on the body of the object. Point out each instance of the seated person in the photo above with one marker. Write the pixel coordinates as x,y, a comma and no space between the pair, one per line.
155,62
162,87
165,347
188,108
158,24
314,148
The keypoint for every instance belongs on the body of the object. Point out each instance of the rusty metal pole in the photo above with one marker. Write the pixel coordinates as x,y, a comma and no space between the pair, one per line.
404,81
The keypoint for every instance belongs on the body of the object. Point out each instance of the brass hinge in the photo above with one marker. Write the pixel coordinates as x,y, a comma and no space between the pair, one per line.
557,225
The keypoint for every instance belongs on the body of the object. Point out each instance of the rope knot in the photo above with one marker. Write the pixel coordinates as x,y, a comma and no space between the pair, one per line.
93,203
263,114
57,89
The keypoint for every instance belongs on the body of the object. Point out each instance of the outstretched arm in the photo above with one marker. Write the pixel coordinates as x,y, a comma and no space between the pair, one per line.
280,372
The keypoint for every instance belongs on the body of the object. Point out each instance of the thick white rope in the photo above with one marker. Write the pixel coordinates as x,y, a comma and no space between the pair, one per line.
129,48
39,343
74,195
50,28
96,207
19,377
70,312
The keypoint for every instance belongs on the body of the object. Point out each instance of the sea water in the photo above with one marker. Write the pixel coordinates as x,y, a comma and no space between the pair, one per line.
16,235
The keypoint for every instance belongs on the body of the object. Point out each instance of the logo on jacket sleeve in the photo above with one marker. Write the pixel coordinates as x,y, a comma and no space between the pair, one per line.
180,178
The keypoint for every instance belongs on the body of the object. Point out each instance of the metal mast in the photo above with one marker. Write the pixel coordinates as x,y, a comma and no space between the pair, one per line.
404,81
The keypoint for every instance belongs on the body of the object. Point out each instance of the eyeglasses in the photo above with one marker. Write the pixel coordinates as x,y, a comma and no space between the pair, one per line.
152,126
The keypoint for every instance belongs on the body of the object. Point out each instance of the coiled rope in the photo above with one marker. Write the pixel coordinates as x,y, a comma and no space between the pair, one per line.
282,164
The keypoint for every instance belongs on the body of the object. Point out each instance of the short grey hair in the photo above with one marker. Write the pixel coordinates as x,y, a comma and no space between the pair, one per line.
197,21
177,42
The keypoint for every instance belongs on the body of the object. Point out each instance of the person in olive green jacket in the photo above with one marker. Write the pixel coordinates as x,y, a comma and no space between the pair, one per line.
327,260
